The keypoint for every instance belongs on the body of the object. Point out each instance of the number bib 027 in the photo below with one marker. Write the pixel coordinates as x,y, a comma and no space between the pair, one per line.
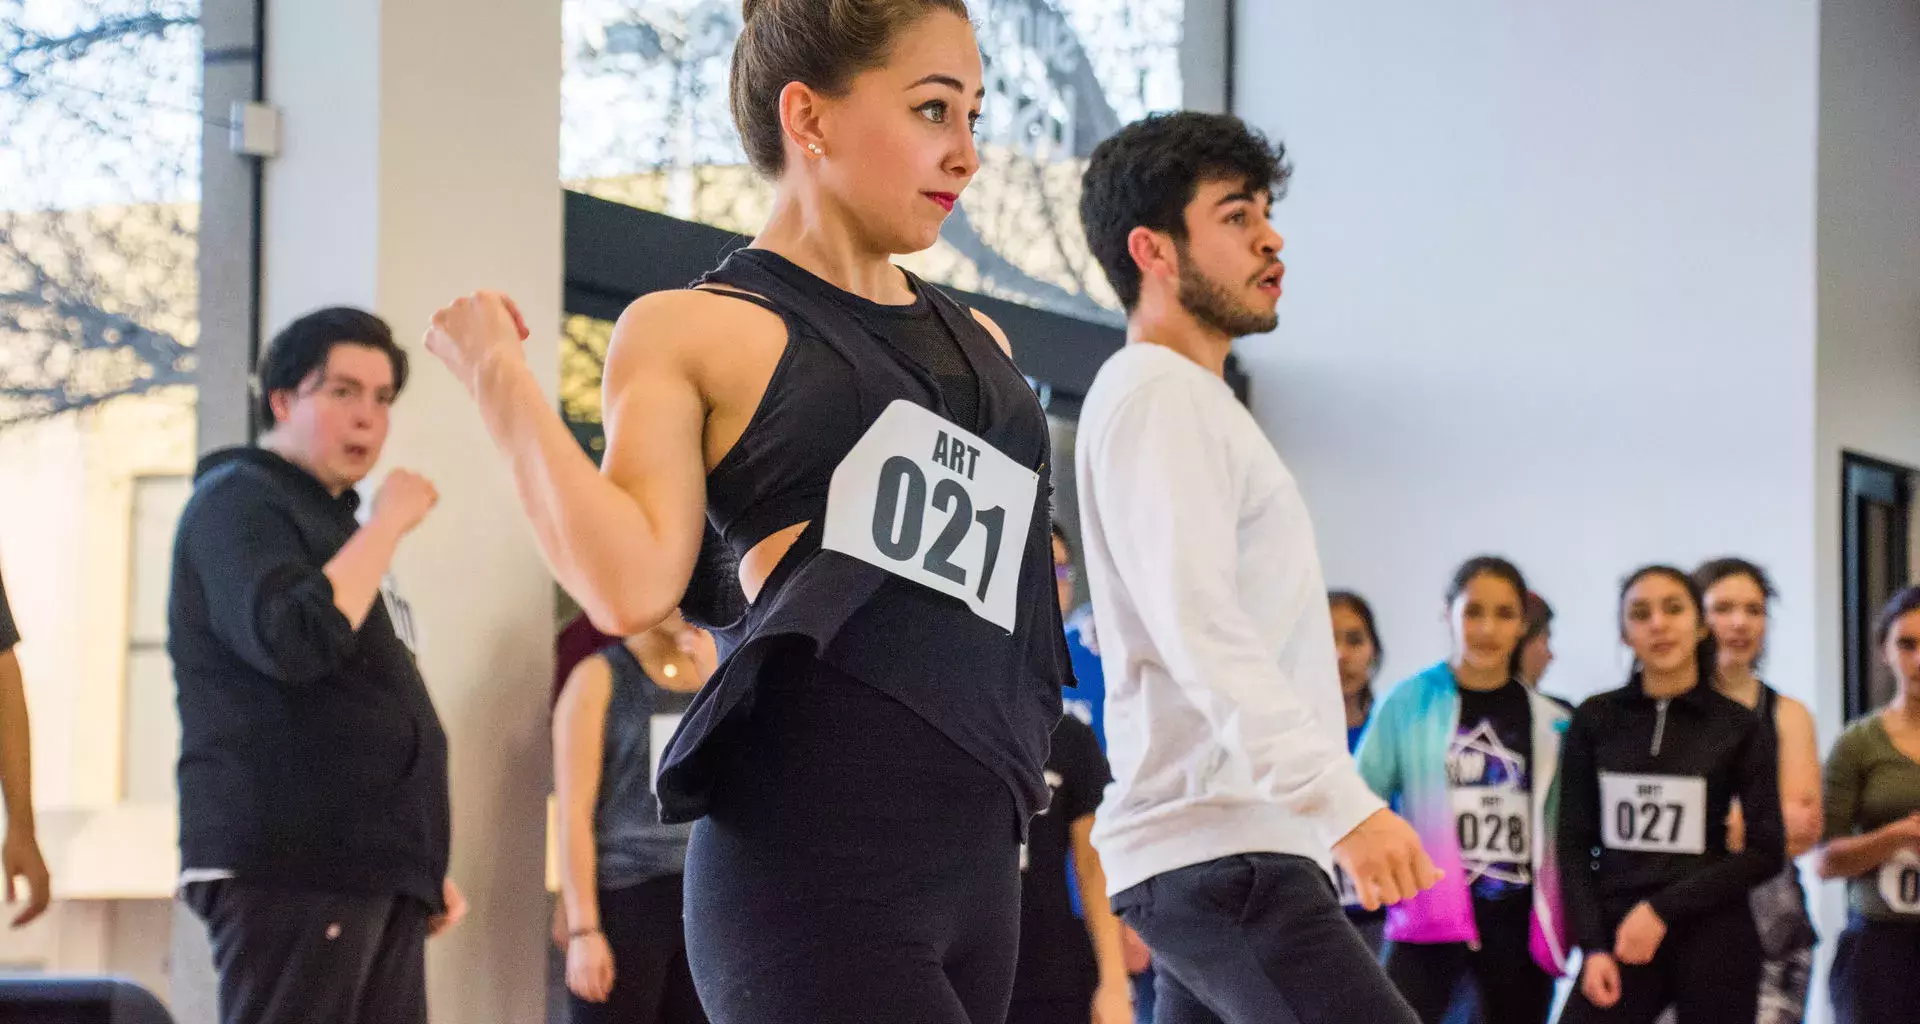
936,505
1900,882
1653,813
1494,824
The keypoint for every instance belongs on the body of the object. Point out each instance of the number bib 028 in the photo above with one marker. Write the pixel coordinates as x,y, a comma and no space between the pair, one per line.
1494,824
1900,882
934,504
1653,813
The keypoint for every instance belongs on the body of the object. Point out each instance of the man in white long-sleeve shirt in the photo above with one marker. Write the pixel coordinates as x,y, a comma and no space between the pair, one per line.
1232,783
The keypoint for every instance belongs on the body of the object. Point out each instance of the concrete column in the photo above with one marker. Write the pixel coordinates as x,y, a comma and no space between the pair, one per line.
420,161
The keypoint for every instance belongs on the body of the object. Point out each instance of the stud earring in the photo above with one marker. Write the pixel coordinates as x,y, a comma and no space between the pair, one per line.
814,148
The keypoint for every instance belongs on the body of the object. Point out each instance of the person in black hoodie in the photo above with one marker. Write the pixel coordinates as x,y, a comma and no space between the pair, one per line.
1656,900
314,820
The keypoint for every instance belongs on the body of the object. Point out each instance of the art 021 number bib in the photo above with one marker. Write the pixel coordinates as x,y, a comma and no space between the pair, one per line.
1653,813
1900,882
936,505
1494,824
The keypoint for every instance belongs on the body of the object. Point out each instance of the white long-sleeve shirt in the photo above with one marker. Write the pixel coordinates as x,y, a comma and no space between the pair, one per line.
1225,726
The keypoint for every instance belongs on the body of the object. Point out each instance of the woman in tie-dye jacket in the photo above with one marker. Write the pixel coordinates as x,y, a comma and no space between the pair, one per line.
1470,756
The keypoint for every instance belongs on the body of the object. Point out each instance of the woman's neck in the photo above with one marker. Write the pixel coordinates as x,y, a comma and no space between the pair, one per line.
1739,683
1904,711
1479,679
1662,685
820,240
667,665
1358,702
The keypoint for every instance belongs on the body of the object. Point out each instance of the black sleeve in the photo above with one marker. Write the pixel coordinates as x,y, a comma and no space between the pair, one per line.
9,636
1580,835
266,600
1084,768
1756,781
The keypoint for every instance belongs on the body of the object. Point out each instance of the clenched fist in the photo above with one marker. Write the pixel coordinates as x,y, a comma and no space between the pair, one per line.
473,331
404,500
1384,858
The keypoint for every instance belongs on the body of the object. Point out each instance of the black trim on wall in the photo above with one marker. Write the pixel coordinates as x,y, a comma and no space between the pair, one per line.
616,253
1870,490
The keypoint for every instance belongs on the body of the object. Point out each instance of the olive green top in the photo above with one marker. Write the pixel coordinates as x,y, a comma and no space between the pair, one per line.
1870,783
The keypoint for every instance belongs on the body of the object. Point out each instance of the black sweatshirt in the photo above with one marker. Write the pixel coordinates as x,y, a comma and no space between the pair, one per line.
1671,768
310,753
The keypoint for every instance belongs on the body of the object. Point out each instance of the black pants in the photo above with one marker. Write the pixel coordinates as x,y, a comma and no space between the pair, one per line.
1874,968
855,866
1257,939
285,956
1513,989
651,981
1051,1011
1707,969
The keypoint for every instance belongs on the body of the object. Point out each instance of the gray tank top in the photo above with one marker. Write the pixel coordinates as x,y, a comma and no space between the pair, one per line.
633,846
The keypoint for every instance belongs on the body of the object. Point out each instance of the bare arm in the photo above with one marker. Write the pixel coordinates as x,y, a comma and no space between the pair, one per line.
16,754
579,735
621,539
359,566
20,856
999,336
1102,926
1799,776
1851,856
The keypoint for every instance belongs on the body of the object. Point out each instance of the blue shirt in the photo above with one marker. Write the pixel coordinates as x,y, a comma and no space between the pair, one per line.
1086,701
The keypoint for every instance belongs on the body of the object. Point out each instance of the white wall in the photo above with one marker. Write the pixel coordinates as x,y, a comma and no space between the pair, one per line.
1869,268
1551,295
421,161
1869,289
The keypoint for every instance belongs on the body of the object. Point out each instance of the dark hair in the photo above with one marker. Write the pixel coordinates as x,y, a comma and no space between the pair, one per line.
1539,616
1712,572
303,346
1358,605
821,44
1487,565
1706,651
1901,605
1060,534
1145,174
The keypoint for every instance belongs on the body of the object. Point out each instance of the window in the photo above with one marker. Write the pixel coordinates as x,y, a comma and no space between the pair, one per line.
1876,559
645,122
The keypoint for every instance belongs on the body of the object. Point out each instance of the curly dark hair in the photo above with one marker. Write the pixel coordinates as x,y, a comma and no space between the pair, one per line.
1145,174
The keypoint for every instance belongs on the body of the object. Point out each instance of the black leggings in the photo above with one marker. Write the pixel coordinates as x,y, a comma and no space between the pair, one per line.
1873,972
855,866
651,982
1707,969
1513,989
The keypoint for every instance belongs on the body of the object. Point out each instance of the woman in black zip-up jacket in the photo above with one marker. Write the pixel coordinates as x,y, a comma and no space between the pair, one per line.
1656,901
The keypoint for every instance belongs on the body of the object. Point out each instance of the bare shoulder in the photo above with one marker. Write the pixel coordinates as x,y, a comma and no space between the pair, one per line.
681,323
589,686
999,336
1791,713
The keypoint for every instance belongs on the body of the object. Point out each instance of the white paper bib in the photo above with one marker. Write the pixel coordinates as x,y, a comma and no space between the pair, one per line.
1653,813
936,505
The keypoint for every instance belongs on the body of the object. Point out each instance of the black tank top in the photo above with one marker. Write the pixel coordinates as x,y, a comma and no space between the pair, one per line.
1780,911
995,694
631,844
767,482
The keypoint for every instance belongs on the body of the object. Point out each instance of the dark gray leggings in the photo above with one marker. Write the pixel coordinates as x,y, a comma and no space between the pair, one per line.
1257,939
